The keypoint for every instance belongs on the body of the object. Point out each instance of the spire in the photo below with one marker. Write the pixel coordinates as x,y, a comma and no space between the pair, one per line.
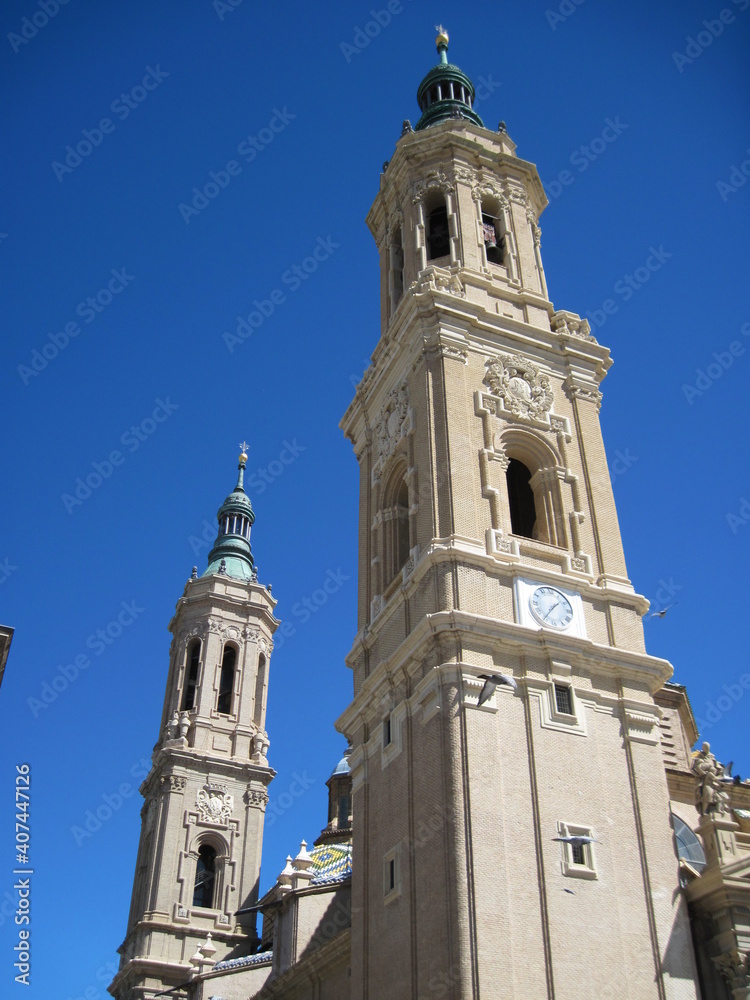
231,554
446,92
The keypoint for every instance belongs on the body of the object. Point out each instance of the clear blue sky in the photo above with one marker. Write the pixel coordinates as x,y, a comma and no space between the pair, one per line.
184,88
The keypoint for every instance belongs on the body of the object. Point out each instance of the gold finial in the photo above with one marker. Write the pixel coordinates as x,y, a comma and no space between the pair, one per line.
442,38
243,449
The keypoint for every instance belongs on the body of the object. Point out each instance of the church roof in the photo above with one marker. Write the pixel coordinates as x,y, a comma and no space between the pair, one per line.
446,92
261,958
343,766
231,554
332,863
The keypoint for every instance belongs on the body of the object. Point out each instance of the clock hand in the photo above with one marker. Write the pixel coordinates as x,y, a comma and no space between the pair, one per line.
555,605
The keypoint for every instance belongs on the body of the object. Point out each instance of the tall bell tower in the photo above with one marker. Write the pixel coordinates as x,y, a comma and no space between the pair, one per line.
202,820
512,836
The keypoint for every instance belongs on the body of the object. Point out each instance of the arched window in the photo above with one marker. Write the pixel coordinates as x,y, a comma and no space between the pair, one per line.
260,683
191,675
344,812
494,243
521,499
396,522
689,848
205,877
397,268
226,681
438,237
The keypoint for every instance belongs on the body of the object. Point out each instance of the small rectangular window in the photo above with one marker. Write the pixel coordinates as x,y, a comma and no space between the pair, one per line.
578,853
563,700
391,874
387,731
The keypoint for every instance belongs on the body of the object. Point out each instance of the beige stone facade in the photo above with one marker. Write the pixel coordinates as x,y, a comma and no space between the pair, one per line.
517,756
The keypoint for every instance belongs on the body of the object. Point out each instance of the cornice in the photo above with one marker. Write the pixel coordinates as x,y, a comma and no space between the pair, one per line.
516,638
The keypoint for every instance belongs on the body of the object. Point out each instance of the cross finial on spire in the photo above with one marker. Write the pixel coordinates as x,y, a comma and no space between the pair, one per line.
244,446
442,42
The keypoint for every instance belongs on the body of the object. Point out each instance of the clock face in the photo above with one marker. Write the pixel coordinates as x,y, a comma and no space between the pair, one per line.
551,607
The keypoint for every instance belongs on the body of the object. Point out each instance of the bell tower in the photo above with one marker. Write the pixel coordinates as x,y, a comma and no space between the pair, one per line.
511,831
199,855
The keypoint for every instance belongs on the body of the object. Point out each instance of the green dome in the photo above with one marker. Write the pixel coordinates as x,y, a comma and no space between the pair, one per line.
231,554
446,92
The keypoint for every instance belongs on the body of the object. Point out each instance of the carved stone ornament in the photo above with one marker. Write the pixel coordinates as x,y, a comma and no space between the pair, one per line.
710,796
463,175
214,803
525,390
257,797
174,782
434,179
486,189
433,279
518,196
577,390
196,629
393,424
735,968
571,325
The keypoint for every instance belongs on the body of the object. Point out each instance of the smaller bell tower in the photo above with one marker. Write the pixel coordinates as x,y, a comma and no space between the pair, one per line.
199,855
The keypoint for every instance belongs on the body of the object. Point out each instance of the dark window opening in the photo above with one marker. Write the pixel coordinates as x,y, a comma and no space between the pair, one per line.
402,526
391,874
397,267
205,877
521,497
260,683
226,681
578,852
438,243
386,731
494,244
564,704
188,697
344,808
434,95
